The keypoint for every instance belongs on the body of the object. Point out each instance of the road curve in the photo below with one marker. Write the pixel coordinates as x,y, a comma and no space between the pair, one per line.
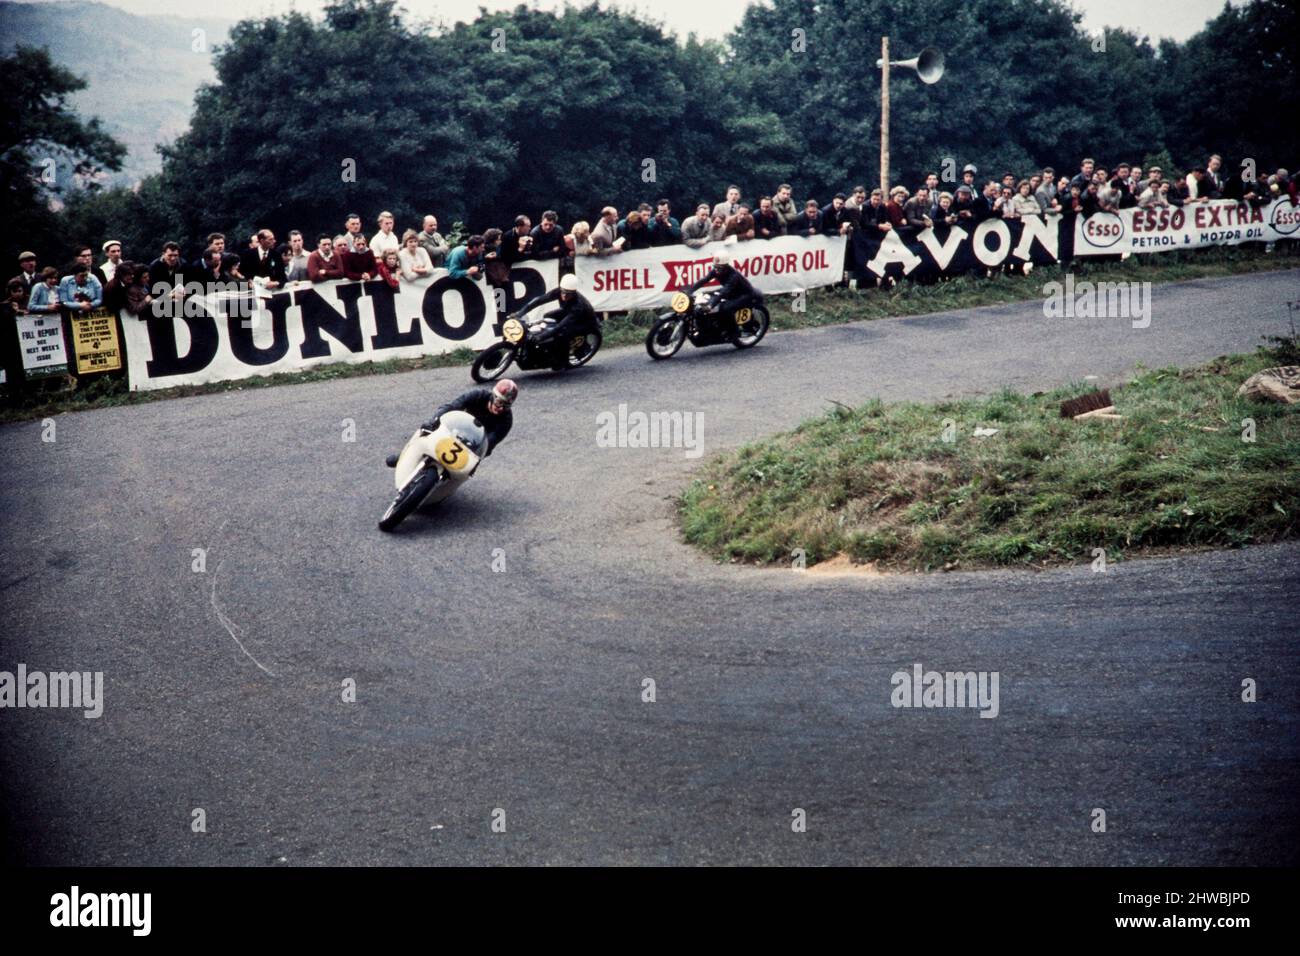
522,691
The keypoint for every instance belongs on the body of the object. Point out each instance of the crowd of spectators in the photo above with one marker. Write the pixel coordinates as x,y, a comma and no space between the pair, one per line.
263,263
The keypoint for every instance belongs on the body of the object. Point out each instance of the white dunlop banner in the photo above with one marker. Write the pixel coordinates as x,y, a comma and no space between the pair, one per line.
646,278
1218,222
222,337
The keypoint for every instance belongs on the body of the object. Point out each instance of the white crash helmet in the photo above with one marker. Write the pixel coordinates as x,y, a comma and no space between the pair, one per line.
721,259
569,284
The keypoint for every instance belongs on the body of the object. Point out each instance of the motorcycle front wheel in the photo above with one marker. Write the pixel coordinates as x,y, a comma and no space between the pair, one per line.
665,337
410,496
492,362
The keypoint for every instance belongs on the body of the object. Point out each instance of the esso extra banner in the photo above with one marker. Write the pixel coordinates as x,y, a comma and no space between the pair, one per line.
1216,222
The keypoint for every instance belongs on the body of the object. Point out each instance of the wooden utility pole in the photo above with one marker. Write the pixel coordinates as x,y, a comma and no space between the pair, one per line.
884,117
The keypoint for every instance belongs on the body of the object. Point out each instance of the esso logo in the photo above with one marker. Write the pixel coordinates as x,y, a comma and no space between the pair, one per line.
1286,218
1103,229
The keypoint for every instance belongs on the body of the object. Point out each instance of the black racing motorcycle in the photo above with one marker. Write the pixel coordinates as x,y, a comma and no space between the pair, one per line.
698,320
519,346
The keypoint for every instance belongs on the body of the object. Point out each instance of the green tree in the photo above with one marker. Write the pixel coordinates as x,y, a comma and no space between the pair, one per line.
515,112
308,121
1024,86
1227,89
46,150
142,219
602,107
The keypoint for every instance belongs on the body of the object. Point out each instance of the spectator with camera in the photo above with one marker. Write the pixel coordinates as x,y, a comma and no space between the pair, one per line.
664,229
516,242
466,262
214,269
81,291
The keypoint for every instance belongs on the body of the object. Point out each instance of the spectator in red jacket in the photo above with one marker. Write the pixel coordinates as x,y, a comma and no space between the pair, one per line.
390,268
324,263
359,262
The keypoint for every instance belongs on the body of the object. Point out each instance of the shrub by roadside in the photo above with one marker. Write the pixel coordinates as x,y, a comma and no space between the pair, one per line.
881,484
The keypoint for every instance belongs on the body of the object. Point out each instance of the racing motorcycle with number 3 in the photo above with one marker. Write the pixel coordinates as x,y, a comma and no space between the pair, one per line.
695,319
434,464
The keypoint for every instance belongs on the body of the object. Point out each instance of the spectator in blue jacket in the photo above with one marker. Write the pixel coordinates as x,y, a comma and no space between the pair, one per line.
81,290
45,293
466,261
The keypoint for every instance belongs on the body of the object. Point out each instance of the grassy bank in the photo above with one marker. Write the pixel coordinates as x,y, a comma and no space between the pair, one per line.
881,485
824,307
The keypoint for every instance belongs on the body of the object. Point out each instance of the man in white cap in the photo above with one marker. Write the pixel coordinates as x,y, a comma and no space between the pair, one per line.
113,257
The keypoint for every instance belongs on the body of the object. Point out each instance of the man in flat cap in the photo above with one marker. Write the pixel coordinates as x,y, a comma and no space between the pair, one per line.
28,274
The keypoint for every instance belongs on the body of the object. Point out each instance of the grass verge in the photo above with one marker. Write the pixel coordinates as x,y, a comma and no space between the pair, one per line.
881,485
830,306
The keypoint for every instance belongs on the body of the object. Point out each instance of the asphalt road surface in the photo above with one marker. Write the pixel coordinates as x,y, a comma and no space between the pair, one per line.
521,691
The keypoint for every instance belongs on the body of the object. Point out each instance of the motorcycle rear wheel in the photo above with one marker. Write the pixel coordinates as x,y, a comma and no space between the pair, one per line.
410,496
751,333
586,351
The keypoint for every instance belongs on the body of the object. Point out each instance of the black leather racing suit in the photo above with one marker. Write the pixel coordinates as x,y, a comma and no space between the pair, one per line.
496,425
733,292
574,316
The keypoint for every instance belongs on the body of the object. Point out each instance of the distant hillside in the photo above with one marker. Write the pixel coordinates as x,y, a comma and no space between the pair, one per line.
141,70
